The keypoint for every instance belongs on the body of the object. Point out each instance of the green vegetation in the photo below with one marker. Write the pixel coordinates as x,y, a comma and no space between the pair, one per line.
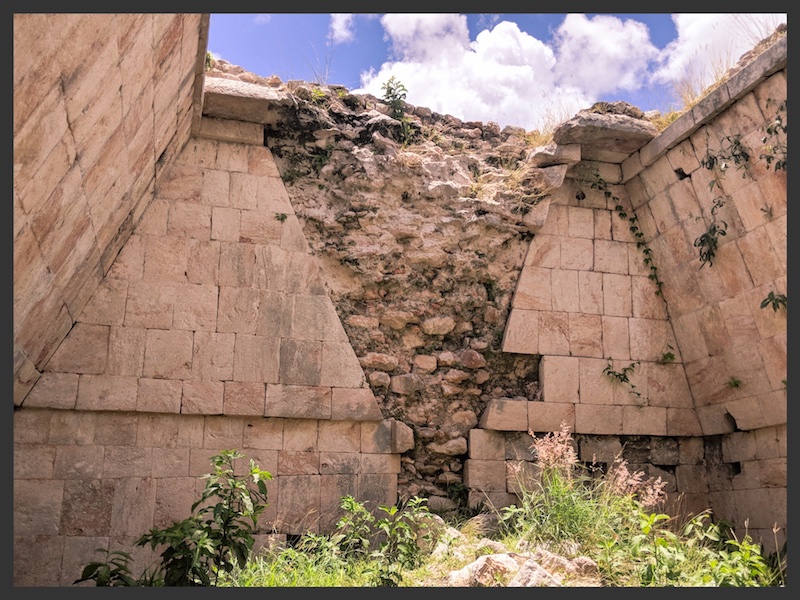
708,242
774,300
622,376
609,515
394,94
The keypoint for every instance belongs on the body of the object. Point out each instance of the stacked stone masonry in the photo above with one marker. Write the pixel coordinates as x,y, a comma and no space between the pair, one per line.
166,307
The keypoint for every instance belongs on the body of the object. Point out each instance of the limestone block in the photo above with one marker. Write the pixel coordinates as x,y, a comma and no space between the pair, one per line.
380,463
238,309
493,500
533,289
244,190
168,354
261,162
519,445
203,262
683,422
54,390
485,475
171,462
154,219
255,358
331,463
617,300
126,461
315,318
759,256
237,264
275,314
191,220
553,333
772,472
358,404
505,414
222,432
580,222
243,398
333,488
263,434
202,397
259,228
558,378
595,386
37,506
402,437
598,419
715,419
521,333
585,335
84,350
273,197
407,384
298,463
599,449
649,338
550,416
228,130
216,188
377,489
376,437
106,392
87,507
577,253
557,222
544,251
644,420
339,436
133,506
159,395
564,290
175,495
300,435
234,158
32,461
225,224
300,362
298,503
486,444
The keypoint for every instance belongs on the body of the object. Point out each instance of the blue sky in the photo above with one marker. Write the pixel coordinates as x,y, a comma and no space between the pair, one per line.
527,70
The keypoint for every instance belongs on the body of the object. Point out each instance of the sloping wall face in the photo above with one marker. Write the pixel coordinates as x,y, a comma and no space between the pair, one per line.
212,330
102,104
705,358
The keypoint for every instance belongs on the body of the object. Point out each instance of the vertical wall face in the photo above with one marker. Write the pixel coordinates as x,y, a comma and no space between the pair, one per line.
102,103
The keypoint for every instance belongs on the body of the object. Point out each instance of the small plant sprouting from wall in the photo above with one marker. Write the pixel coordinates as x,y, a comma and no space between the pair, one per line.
622,376
394,94
601,184
774,150
708,242
280,217
732,152
774,300
734,383
668,356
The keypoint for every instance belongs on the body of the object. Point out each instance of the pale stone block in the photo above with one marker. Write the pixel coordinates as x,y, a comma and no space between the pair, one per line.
602,225
182,182
301,362
107,392
190,220
298,503
216,188
203,262
772,472
168,354
175,496
244,191
256,358
292,237
37,507
715,420
564,290
154,219
107,305
133,506
550,416
667,386
636,264
544,251
236,264
78,462
585,335
774,355
126,351
590,292
505,414
744,363
272,197
534,290
261,162
32,426
54,390
127,461
195,307
129,263
777,233
272,269
645,304
617,300
198,152
521,334
234,156
771,442
84,350
202,397
557,222
238,310
165,259
380,463
486,444
376,437
554,333
263,434
340,366
157,430
159,396
773,189
649,338
611,257
222,432
35,462
688,335
306,275
358,404
595,386
339,462
522,476
213,356
259,228
769,322
315,318
708,379
581,222
759,256
485,475
298,463
773,407
559,379
598,419
225,223
54,171
402,436
25,377
340,436
595,450
243,398
297,401
739,446
228,130
644,420
621,226
577,253
634,391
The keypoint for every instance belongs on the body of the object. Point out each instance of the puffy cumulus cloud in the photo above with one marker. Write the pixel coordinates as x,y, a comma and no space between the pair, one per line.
341,28
504,75
262,18
603,54
707,45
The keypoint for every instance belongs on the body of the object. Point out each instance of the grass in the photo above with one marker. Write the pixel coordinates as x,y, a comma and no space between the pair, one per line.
611,515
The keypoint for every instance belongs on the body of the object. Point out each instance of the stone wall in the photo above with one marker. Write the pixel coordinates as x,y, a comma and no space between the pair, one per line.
585,301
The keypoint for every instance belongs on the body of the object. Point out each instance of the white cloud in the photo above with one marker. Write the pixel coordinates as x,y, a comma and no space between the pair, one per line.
262,18
341,28
708,44
602,54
